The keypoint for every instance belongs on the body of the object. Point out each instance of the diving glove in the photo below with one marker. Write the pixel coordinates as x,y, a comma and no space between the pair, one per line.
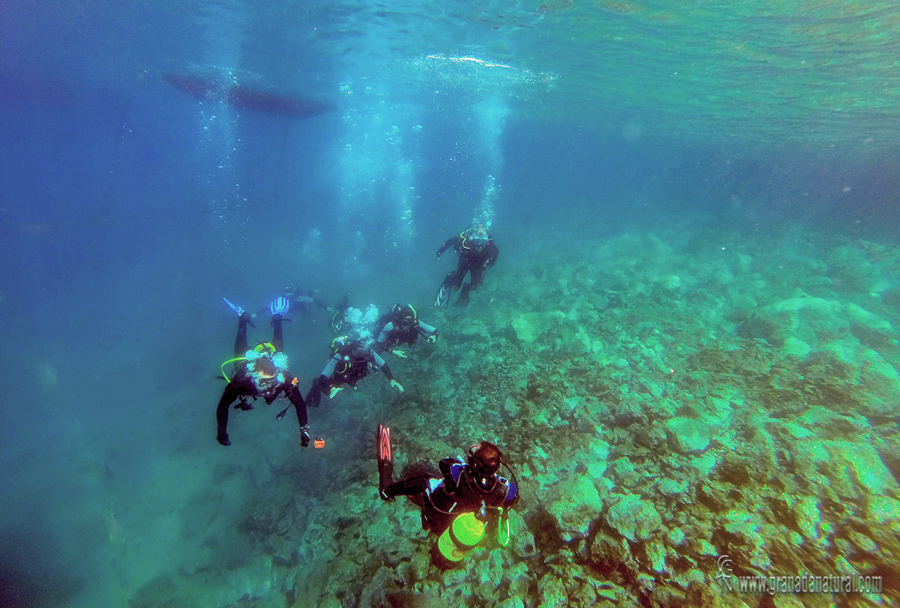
397,385
304,436
280,306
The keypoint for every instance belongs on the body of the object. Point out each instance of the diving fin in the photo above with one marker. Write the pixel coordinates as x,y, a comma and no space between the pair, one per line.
442,300
385,457
234,307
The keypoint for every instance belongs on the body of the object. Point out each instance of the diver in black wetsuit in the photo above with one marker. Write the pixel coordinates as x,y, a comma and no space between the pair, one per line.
401,326
477,252
301,300
471,498
338,320
260,372
350,362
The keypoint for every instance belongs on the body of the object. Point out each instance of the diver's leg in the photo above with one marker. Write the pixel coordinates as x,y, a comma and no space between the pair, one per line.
460,273
277,337
314,396
475,279
408,486
240,342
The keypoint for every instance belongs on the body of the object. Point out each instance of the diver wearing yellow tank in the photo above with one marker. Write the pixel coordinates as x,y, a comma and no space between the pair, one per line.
260,372
465,504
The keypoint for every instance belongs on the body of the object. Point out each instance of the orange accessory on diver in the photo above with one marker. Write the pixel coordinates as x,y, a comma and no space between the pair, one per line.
319,443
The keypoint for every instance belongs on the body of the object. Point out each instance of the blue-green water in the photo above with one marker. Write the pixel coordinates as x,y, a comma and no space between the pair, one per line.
687,349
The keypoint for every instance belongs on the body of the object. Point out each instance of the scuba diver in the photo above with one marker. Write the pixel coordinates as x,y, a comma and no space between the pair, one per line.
300,300
401,326
339,320
260,372
477,252
351,361
464,504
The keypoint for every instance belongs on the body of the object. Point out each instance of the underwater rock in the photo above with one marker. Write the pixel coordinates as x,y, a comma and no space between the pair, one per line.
625,413
158,592
688,436
830,425
758,328
796,347
669,282
741,303
634,518
671,488
862,464
552,593
863,542
472,331
656,556
808,516
806,317
517,577
875,339
891,298
531,325
625,473
575,503
882,509
675,537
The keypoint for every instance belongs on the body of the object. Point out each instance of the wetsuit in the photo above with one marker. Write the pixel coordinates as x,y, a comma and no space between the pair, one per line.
472,259
459,490
396,329
348,366
302,299
301,302
242,385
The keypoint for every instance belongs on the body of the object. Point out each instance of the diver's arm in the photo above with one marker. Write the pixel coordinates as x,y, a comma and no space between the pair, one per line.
447,245
446,467
229,395
320,303
383,366
294,396
383,336
427,330
493,253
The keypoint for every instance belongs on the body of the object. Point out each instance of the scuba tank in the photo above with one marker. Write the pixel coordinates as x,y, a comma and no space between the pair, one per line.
467,531
461,537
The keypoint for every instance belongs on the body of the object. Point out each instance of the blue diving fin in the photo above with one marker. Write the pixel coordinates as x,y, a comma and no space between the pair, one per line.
234,307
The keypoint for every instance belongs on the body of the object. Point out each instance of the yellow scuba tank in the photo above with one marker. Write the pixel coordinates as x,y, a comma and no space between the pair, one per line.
463,535
503,531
